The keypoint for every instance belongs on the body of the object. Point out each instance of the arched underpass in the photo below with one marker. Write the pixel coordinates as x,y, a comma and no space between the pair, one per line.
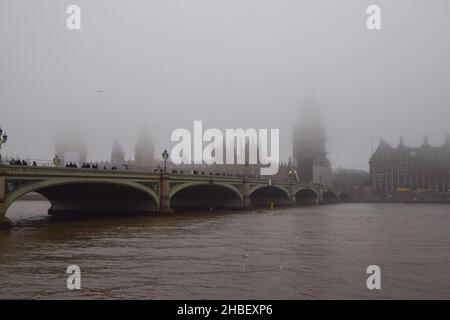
28,206
329,197
306,197
97,199
264,196
204,197
344,197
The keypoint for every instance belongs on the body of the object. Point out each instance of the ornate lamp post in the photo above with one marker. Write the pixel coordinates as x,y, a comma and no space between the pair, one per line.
56,161
3,138
165,156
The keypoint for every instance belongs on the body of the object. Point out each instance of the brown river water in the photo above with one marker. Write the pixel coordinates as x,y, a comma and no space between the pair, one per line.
296,253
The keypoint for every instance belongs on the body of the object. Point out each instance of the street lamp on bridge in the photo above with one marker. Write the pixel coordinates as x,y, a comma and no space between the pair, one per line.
3,138
165,156
56,161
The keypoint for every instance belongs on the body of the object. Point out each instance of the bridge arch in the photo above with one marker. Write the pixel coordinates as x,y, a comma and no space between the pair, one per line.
344,196
264,195
329,196
205,195
306,196
69,195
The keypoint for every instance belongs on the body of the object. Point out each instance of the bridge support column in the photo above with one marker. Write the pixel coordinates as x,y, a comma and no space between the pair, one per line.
4,221
247,201
164,193
293,200
320,199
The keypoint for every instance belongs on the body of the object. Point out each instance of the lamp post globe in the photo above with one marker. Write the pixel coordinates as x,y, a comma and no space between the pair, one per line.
3,138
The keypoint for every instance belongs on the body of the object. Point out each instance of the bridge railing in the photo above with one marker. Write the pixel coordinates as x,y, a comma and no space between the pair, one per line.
171,169
43,165
62,170
27,161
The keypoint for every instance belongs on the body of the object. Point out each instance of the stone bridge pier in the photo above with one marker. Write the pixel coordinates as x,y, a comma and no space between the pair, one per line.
246,198
4,221
164,193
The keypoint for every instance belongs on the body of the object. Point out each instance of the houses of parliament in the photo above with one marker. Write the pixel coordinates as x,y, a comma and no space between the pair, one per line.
308,164
71,148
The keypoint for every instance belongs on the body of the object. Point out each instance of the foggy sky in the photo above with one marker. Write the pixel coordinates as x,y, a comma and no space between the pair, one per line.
229,63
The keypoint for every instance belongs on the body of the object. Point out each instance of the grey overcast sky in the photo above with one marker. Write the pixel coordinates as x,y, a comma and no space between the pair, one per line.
230,63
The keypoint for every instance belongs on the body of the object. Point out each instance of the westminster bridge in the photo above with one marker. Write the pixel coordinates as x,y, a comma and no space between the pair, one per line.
96,191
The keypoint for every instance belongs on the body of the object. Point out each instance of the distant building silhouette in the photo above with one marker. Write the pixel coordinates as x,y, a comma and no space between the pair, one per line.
117,155
309,147
349,179
404,168
144,154
70,147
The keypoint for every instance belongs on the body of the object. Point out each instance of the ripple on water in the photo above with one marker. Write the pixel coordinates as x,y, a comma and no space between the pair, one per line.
311,252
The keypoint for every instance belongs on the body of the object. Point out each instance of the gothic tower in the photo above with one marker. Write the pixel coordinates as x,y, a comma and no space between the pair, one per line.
117,155
70,146
309,147
144,155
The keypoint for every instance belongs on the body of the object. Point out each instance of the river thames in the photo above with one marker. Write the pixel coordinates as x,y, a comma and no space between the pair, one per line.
296,253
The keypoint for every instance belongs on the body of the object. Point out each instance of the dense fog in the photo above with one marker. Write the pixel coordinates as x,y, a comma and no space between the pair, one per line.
162,64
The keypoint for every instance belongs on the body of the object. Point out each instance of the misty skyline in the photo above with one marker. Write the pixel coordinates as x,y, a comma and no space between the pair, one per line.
230,64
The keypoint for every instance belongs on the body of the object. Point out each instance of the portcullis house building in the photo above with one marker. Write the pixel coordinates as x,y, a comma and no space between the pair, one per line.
404,168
